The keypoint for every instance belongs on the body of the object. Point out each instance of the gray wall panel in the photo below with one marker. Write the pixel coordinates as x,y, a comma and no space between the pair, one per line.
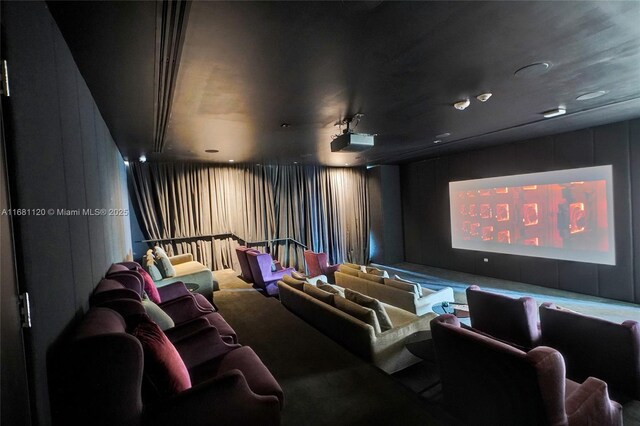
617,144
56,150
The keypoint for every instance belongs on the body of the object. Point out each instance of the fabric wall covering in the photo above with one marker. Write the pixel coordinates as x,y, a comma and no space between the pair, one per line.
326,209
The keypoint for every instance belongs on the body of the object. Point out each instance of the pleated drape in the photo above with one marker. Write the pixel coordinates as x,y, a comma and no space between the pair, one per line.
324,208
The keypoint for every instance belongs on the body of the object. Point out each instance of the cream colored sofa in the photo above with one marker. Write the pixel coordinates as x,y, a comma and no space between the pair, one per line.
394,296
386,349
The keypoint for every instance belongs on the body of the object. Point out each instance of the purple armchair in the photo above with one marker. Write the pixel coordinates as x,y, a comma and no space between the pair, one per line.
511,320
595,347
318,264
241,252
263,277
104,381
487,382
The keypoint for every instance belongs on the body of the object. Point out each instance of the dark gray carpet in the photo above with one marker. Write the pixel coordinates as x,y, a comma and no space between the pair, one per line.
324,384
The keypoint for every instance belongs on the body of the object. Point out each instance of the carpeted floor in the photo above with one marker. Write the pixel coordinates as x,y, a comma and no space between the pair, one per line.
324,384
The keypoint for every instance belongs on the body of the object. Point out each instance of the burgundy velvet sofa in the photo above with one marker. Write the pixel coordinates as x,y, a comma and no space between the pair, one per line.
181,308
503,317
107,373
595,347
487,382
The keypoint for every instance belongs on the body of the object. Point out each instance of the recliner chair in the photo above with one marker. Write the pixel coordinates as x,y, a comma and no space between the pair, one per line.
505,318
263,276
488,382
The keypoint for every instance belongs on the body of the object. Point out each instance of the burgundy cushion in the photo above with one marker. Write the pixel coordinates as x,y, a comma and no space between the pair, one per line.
149,286
164,370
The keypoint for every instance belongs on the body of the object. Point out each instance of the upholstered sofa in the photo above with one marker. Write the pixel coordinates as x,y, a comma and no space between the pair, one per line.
107,369
487,382
384,349
391,295
595,347
187,271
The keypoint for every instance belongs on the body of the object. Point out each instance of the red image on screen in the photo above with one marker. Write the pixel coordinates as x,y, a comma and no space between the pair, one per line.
572,214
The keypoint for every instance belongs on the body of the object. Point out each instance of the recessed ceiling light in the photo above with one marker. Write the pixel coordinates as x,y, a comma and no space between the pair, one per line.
126,163
142,159
295,162
554,112
591,95
231,161
484,97
533,70
285,125
443,135
462,104
211,151
437,141
346,164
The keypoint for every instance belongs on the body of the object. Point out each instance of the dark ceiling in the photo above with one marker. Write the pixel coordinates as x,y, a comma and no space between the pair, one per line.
248,67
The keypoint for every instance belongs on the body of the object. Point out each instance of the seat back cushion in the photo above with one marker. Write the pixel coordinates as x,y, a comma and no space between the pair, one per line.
316,293
297,284
373,304
405,286
371,277
346,269
361,313
165,374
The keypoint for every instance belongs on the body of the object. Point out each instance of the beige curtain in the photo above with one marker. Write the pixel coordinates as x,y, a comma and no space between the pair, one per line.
325,209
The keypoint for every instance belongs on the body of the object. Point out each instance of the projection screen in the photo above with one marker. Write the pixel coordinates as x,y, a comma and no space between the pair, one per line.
564,214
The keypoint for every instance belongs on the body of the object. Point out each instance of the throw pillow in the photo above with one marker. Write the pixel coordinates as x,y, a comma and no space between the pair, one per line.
316,293
348,270
417,285
164,371
371,277
164,264
297,284
157,315
352,265
361,313
373,304
329,288
149,286
153,271
400,285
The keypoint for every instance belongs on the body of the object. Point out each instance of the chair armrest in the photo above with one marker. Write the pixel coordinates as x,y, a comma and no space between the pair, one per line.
186,328
181,258
277,275
172,291
590,404
425,303
98,299
130,265
183,309
332,268
201,346
225,400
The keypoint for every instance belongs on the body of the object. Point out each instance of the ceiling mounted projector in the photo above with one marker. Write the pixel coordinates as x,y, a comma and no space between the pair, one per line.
349,141
352,142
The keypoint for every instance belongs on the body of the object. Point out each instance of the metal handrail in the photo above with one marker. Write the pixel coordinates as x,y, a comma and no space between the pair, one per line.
222,237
